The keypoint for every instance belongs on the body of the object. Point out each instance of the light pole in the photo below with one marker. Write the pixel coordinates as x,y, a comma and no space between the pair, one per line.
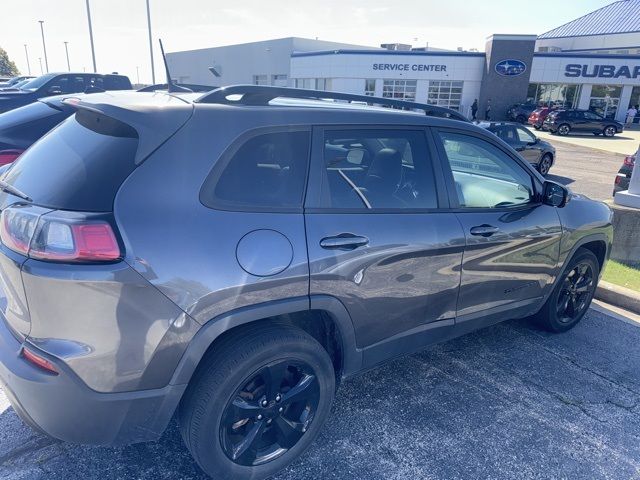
66,49
138,74
26,54
44,45
153,71
93,52
40,60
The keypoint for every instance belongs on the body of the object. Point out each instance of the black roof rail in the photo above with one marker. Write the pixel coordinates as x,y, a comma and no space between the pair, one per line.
257,95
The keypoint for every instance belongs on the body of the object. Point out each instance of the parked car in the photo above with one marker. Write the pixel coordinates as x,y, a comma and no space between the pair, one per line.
536,119
202,255
539,153
22,127
15,87
564,122
61,83
519,112
623,176
15,80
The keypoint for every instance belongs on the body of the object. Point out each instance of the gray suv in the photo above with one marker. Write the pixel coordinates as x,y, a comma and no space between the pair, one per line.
232,257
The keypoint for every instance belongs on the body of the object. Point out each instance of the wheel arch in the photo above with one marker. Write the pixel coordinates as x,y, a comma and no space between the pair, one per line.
303,312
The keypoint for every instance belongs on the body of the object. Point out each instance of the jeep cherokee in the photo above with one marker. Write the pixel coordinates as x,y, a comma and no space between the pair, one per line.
232,257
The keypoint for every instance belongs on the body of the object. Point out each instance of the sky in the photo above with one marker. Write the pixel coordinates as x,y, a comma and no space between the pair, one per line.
121,36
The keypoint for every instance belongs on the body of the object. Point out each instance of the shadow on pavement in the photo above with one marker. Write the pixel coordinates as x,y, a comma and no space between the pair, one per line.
560,179
509,401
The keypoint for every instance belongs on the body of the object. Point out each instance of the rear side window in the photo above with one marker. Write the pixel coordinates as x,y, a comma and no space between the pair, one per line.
112,82
79,165
377,168
267,172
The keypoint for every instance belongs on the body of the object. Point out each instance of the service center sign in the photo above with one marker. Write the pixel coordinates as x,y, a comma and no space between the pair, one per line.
409,67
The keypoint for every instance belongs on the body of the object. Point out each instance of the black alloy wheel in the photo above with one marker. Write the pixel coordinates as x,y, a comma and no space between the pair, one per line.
609,131
270,413
572,293
545,164
576,292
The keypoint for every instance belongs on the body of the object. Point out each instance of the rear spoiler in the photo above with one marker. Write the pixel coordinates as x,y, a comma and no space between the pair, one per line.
155,118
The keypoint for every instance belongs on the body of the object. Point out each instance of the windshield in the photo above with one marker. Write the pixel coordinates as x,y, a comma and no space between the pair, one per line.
36,83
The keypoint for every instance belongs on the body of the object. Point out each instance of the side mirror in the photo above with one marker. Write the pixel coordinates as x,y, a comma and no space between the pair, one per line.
555,194
54,90
532,142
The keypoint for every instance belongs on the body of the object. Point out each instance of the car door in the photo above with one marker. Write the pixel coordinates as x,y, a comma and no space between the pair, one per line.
579,122
529,147
512,239
377,238
594,122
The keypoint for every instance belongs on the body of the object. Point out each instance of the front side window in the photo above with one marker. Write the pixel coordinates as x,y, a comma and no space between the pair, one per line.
484,175
378,168
524,135
268,171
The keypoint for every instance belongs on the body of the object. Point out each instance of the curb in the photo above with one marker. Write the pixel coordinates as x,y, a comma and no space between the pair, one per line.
618,296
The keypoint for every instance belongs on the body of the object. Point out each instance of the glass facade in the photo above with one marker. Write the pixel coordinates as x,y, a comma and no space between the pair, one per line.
605,99
445,94
261,80
554,94
314,83
400,89
370,87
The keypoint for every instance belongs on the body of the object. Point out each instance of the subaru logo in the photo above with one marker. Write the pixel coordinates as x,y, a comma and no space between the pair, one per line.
510,68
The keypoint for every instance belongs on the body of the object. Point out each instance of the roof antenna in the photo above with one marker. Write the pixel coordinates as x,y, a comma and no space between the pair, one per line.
171,87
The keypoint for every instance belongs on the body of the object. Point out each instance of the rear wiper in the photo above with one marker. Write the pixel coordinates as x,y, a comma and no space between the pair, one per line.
5,187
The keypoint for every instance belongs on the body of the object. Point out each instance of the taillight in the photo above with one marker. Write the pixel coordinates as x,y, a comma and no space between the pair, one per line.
38,361
57,237
9,156
629,160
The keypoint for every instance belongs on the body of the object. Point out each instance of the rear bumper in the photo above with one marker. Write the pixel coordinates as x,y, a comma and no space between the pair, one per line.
63,407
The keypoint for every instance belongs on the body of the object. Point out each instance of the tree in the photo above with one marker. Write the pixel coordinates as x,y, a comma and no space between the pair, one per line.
7,67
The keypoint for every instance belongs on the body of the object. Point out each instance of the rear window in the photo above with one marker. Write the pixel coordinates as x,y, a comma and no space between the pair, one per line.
26,114
112,82
79,165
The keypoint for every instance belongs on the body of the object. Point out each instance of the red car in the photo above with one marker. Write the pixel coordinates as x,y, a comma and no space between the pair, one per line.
537,117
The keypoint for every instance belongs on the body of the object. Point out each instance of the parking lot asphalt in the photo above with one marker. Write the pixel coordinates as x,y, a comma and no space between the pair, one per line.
509,401
585,170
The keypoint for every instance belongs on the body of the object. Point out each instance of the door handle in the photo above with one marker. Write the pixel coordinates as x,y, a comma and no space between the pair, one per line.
484,230
344,241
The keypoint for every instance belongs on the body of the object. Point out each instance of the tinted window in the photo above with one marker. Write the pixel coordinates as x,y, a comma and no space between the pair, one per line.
38,82
377,169
506,133
267,172
484,175
592,116
112,82
25,114
78,166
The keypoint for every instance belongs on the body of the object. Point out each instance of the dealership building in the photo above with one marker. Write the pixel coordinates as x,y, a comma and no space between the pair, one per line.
592,62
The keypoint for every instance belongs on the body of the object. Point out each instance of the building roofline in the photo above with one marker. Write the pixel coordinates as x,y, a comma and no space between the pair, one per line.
611,56
630,32
543,37
388,52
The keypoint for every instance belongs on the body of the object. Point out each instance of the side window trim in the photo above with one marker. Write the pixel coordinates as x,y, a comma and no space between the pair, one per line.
317,177
450,182
227,155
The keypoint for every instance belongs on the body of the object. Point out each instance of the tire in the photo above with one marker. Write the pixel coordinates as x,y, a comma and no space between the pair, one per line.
609,131
536,127
564,129
545,164
550,316
215,421
521,119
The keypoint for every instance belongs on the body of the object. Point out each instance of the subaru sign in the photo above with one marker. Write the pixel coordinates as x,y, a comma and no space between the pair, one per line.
510,68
